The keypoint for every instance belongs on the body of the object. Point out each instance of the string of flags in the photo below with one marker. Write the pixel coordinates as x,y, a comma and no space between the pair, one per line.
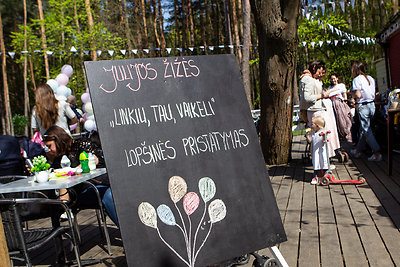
315,4
346,37
169,50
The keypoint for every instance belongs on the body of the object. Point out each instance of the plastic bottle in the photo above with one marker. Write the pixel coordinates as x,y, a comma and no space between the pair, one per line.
83,158
92,162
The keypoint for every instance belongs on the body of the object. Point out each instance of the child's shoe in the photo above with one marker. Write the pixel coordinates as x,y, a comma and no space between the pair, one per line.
315,180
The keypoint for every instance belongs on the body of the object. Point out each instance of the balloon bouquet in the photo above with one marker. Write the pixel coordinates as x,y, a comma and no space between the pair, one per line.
177,189
62,92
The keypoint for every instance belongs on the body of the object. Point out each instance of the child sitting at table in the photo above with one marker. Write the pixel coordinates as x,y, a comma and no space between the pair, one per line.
59,143
319,153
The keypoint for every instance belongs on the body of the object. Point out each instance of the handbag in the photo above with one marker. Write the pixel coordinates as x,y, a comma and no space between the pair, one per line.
303,115
37,138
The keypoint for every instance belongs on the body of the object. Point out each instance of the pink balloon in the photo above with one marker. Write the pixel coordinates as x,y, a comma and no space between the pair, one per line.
83,107
85,97
62,79
73,126
190,202
67,70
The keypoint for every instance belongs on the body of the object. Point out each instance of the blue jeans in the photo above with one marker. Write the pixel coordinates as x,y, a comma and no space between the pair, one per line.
88,198
365,113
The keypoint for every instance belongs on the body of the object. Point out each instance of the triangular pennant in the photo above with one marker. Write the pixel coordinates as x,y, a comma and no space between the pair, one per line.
341,3
24,52
179,49
221,46
146,50
134,51
344,41
322,8
304,43
353,2
333,6
98,52
0,53
86,52
328,42
73,49
211,48
308,16
111,52
37,51
169,50
123,51
366,1
336,42
12,54
191,48
202,47
231,46
312,44
49,53
321,43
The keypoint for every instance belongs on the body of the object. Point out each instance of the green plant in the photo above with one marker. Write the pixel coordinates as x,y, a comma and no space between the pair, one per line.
40,164
19,122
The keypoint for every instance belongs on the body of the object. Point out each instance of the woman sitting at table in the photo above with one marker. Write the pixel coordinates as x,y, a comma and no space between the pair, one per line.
60,143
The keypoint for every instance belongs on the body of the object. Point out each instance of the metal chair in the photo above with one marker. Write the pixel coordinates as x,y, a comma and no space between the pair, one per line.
21,241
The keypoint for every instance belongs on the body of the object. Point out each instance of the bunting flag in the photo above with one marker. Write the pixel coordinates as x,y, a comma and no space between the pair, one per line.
135,51
12,54
98,52
24,52
353,2
322,8
333,6
191,48
49,53
202,47
73,49
123,52
221,46
211,48
169,50
341,3
86,52
146,50
111,52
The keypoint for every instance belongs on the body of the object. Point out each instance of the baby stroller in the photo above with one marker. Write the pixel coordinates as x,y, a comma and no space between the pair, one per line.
329,178
11,160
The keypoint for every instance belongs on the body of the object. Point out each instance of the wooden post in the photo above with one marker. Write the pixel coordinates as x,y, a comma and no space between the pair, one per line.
4,258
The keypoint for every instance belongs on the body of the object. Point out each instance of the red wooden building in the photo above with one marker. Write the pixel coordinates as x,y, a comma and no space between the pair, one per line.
389,38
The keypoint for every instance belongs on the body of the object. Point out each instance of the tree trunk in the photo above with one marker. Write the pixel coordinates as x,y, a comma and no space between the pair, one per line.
161,24
93,52
228,33
131,41
236,36
25,75
155,11
191,23
44,41
81,47
8,120
146,36
245,68
202,25
178,40
395,6
138,25
276,24
382,15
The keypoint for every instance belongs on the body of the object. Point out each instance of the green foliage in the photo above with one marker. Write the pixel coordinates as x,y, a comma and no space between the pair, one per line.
19,122
40,164
338,57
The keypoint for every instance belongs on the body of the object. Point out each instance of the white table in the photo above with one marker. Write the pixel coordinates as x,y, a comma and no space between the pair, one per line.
24,185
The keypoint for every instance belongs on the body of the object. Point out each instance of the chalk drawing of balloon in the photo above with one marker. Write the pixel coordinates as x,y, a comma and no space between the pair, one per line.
177,188
165,214
147,214
191,202
217,210
207,188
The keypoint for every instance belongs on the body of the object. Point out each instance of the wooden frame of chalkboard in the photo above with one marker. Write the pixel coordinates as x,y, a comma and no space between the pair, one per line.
187,174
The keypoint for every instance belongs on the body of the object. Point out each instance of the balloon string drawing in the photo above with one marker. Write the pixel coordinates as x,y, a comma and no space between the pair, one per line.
177,189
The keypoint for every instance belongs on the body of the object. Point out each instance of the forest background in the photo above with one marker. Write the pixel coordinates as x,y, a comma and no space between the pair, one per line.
38,37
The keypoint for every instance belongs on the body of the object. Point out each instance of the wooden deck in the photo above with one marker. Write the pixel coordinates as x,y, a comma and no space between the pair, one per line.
336,225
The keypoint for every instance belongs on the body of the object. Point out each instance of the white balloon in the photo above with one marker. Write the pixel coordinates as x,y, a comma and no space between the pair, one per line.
69,92
79,111
62,90
89,107
61,98
90,117
90,125
53,84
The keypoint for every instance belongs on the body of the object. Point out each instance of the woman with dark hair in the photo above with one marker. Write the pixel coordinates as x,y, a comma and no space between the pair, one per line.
342,110
59,143
49,111
364,92
316,101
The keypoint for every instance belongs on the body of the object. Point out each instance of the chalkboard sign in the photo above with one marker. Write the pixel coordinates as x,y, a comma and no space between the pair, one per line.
188,177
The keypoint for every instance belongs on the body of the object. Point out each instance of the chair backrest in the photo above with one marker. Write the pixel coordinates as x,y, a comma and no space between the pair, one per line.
12,225
11,160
